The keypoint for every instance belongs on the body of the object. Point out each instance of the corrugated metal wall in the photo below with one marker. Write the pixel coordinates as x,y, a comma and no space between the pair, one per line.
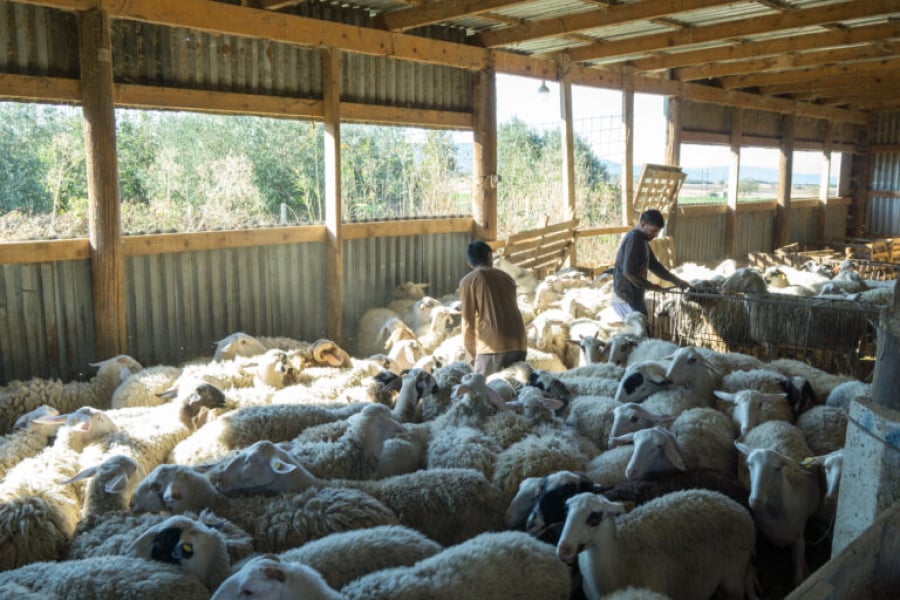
178,305
883,217
373,266
38,41
804,222
754,232
700,238
46,321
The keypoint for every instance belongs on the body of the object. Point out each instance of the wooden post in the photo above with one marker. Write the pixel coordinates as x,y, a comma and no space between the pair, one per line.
568,162
484,198
886,377
628,159
673,150
861,179
824,182
785,166
331,101
736,139
105,227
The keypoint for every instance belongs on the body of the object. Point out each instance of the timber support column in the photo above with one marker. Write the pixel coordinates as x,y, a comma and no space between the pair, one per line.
105,226
484,198
568,157
736,140
824,185
871,476
673,151
334,252
628,159
785,167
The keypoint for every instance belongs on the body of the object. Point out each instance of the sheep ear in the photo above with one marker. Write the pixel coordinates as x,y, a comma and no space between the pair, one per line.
743,448
515,405
274,572
281,467
660,418
669,357
661,382
117,484
772,397
625,438
168,394
724,396
87,473
674,455
142,547
552,403
613,508
494,398
54,420
285,445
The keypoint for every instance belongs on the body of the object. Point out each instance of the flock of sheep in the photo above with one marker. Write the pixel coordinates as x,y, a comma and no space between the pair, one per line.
608,464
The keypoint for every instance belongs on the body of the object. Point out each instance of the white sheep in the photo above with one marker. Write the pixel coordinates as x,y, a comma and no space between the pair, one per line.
752,408
640,380
447,505
20,397
283,521
649,349
646,547
443,324
116,576
609,467
144,387
526,281
783,495
268,577
780,436
372,549
28,437
508,564
238,344
631,417
375,326
821,381
824,427
540,454
592,417
849,391
409,289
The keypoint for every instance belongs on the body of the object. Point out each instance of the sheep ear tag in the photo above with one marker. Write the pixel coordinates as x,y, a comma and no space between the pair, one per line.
117,484
279,466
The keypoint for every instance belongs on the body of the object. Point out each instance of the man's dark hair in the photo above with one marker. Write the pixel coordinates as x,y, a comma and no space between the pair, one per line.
653,217
479,254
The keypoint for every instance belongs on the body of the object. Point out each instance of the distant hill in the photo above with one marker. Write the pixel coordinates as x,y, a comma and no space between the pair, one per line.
761,174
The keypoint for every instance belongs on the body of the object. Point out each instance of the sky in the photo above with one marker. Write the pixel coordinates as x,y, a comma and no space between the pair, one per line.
519,97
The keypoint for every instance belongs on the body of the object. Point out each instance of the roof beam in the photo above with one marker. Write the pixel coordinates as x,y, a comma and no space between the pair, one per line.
790,60
611,15
747,50
436,12
735,29
814,74
846,83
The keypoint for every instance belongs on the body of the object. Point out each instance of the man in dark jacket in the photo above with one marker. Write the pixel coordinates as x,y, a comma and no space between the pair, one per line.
492,326
633,260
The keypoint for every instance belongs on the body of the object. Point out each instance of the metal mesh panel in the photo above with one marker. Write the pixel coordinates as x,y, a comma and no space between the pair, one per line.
834,335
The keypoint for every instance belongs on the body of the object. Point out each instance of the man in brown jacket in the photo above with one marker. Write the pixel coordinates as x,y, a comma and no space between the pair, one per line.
492,326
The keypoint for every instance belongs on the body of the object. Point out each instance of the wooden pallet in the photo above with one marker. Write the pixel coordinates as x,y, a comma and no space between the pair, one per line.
658,188
543,250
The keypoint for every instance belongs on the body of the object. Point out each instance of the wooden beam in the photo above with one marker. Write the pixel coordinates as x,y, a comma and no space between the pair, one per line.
568,197
736,140
845,85
171,243
674,117
397,115
791,60
861,177
484,155
356,231
39,89
104,223
436,12
607,15
606,230
334,253
67,5
785,167
819,73
154,97
218,17
12,253
748,50
734,29
628,158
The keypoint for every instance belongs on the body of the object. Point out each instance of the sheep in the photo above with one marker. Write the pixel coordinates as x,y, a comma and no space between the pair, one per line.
283,521
356,454
447,505
29,436
745,280
372,549
268,577
609,467
783,495
112,484
197,549
409,289
20,397
237,344
536,455
516,515
238,429
508,564
640,380
700,439
646,546
547,498
592,417
648,349
415,313
850,391
824,427
107,577
780,436
821,381
526,281
444,322
752,408
375,326
799,393
462,447
630,417
566,384
620,347
143,388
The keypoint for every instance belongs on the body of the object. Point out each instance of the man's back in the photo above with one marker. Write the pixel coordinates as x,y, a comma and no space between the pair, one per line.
490,294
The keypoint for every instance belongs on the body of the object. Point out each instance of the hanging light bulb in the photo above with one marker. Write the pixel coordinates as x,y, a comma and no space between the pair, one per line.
543,90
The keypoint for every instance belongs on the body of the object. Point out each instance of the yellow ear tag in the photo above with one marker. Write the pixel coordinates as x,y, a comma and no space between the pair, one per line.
278,465
187,547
